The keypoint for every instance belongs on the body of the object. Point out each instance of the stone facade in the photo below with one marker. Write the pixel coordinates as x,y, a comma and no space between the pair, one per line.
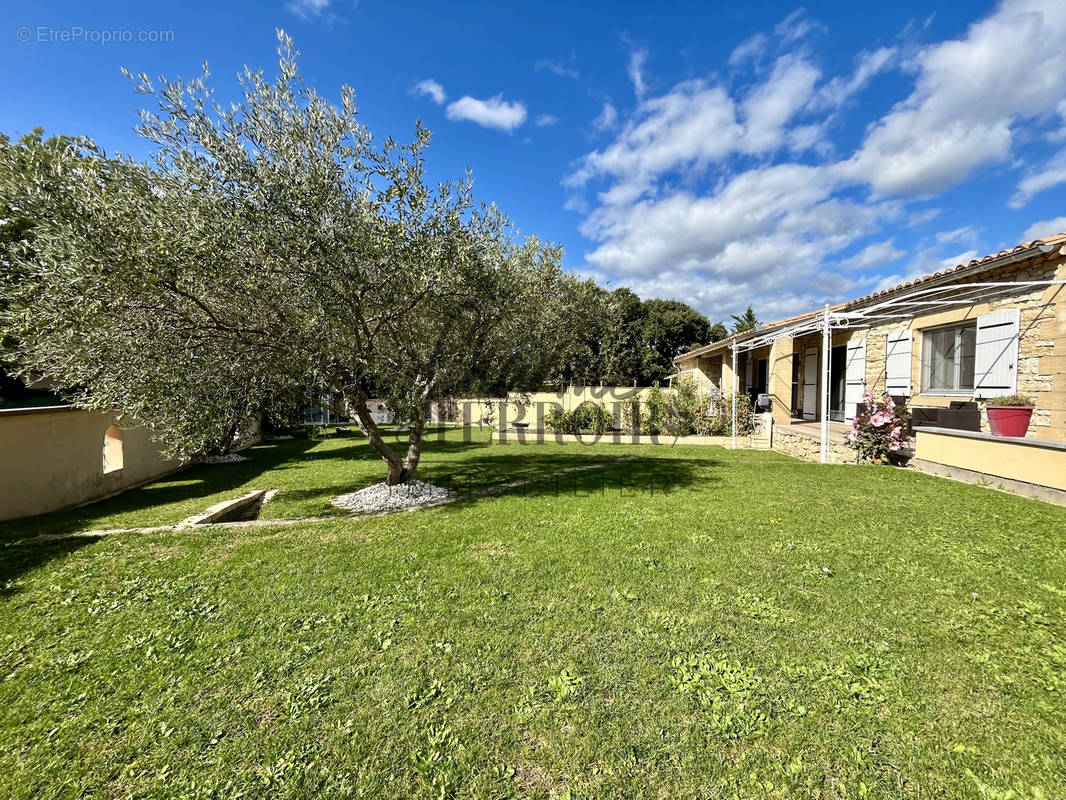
801,444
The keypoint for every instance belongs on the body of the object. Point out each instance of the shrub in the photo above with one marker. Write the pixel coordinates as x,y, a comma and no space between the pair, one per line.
556,420
683,409
880,430
653,419
1011,400
586,418
631,415
592,417
717,419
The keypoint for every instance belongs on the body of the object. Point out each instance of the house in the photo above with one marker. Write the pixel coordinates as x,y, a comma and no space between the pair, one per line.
941,343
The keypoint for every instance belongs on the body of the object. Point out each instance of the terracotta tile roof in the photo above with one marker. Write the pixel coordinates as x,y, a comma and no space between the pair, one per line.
1049,242
1058,239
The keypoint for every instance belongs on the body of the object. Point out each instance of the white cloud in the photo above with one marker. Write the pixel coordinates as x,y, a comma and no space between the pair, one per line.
636,72
967,234
795,27
495,112
750,49
918,218
874,256
431,89
695,125
607,119
694,196
808,137
544,120
838,90
1051,174
788,31
771,105
1044,228
691,126
969,94
557,68
307,9
959,258
764,234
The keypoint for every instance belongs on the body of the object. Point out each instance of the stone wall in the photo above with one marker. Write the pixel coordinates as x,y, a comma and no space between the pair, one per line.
809,448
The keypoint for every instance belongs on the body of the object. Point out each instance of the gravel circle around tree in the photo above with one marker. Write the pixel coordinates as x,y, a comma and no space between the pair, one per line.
228,458
382,497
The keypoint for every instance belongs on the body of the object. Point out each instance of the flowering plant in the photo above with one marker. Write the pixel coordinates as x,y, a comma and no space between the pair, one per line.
880,430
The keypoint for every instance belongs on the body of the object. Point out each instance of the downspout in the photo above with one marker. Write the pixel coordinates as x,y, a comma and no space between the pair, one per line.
825,386
733,350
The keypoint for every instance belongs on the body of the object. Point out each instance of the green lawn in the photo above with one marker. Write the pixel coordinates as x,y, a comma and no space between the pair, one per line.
694,623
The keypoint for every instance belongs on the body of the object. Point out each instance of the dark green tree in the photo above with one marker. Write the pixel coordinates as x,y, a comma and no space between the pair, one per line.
623,346
744,322
670,327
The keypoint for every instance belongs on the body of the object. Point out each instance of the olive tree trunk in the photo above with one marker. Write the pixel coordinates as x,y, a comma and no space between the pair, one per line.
400,470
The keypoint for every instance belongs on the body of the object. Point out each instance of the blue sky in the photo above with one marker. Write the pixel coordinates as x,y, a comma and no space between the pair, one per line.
719,154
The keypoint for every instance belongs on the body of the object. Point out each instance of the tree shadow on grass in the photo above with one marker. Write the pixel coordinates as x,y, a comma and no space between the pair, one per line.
357,448
491,467
18,558
555,477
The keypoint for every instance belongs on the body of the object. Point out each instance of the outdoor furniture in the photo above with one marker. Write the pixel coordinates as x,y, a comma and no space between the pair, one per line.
961,415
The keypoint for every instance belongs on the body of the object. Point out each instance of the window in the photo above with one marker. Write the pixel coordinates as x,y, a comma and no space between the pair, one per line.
948,358
112,450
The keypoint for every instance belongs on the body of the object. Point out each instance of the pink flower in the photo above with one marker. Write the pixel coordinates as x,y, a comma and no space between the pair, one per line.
894,445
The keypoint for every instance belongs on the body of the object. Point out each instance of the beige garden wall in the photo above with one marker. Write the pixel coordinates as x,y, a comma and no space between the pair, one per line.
532,407
52,458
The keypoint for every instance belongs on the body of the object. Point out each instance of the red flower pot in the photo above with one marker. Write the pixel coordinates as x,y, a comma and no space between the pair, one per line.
1009,420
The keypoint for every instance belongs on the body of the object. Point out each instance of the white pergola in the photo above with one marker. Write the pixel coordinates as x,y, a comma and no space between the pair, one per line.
899,307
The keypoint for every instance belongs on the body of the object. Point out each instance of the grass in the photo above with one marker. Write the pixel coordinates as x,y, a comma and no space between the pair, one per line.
694,623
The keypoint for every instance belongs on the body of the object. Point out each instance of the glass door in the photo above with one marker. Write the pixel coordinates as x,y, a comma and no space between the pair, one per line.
838,362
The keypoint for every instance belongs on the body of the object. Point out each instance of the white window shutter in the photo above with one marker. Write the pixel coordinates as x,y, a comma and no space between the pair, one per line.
898,363
748,365
854,377
996,353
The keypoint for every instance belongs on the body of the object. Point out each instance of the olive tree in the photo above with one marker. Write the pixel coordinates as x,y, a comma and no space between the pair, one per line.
269,247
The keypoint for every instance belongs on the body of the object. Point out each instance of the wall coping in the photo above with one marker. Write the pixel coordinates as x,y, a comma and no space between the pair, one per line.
17,412
988,437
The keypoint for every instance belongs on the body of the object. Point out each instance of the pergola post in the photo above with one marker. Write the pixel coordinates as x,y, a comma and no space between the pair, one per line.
826,343
733,350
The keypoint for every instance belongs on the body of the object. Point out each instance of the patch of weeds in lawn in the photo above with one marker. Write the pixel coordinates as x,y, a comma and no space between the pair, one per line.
433,693
735,696
854,683
438,761
310,694
561,689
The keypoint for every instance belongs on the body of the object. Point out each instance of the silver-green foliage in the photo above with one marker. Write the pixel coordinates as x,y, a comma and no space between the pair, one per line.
269,246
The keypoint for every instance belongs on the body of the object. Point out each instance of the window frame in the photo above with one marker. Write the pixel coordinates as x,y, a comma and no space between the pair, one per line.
958,327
